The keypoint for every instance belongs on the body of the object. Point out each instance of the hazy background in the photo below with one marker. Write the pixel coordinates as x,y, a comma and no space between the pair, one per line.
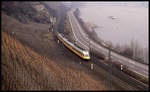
131,21
122,24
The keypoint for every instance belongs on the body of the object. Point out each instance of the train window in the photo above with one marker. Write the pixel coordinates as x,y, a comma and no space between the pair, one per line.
86,55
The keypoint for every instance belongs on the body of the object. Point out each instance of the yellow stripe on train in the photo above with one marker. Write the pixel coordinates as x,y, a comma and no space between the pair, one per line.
73,50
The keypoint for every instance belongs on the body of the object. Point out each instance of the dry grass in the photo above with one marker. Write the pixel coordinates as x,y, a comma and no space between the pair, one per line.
32,60
24,69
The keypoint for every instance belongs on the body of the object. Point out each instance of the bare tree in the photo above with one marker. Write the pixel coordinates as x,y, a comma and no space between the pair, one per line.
133,50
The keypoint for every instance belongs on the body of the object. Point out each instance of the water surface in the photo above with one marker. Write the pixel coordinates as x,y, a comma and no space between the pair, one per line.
118,24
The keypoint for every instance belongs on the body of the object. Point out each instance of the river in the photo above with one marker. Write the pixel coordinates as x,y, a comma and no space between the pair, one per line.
118,24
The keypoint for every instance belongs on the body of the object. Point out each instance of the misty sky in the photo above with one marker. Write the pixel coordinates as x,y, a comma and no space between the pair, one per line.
144,3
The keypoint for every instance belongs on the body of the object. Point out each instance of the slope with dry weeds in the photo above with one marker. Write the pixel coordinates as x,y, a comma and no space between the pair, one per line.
24,69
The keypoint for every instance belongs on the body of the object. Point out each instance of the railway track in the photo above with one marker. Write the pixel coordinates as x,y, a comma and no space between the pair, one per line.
121,75
81,36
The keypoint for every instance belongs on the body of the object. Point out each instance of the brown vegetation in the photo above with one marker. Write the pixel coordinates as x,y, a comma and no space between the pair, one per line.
27,11
24,69
32,60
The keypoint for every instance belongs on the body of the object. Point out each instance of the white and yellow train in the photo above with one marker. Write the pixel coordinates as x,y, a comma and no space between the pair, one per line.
84,54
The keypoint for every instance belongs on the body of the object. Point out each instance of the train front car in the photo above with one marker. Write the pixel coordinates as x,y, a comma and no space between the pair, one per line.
86,55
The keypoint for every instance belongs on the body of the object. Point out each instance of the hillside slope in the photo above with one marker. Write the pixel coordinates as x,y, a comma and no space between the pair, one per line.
24,69
27,11
31,57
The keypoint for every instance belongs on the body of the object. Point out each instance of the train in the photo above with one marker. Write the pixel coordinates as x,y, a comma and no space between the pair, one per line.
82,53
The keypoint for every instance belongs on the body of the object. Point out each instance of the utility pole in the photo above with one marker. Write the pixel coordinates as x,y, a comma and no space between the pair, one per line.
110,70
89,45
92,66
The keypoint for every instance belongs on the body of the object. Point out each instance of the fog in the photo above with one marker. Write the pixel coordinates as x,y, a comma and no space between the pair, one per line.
117,22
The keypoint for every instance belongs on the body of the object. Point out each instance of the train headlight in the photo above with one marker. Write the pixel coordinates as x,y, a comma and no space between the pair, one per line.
86,53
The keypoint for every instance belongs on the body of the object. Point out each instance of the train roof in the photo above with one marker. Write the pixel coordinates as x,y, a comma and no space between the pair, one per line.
77,47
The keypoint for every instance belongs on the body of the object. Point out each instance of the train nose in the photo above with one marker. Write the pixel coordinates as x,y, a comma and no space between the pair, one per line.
87,58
